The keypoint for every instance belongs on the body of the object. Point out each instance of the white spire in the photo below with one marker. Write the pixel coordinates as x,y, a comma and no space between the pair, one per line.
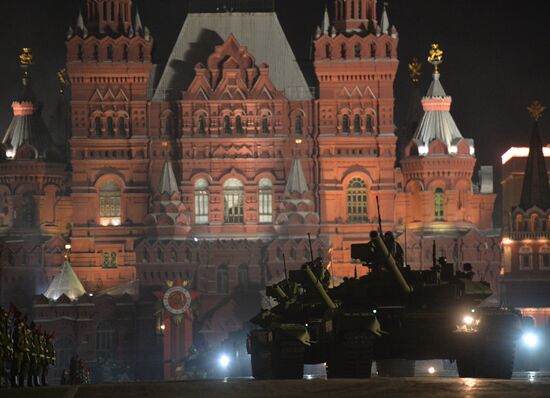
326,23
138,26
67,283
385,24
168,183
80,22
296,180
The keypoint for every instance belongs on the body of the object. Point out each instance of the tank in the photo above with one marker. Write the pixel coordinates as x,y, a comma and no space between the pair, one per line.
393,315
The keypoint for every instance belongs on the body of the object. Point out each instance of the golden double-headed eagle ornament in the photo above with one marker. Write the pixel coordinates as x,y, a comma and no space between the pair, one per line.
436,56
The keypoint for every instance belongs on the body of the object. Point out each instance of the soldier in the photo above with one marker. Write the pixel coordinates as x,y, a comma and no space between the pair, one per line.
394,248
49,357
34,352
18,337
27,357
6,346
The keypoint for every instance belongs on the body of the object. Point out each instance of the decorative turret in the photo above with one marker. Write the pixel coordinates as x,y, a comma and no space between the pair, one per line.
27,137
355,15
437,124
536,190
66,282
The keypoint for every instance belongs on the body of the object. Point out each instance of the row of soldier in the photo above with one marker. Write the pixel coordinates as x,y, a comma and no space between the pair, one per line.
26,352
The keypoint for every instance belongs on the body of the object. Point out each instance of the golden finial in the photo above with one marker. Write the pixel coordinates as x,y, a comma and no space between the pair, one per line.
62,80
536,109
415,70
436,56
25,59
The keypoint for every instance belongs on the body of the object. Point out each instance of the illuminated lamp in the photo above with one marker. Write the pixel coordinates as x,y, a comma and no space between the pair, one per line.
298,141
10,153
423,150
453,149
507,241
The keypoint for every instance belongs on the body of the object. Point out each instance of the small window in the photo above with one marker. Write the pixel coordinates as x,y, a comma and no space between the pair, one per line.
98,126
266,201
242,277
125,52
525,258
96,53
121,127
141,54
109,52
109,259
343,51
328,51
357,124
345,124
79,53
439,205
227,125
201,202
368,124
239,125
373,50
544,258
299,124
265,125
202,125
357,50
388,50
110,127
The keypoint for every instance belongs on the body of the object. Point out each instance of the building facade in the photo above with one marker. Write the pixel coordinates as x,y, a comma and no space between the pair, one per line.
214,168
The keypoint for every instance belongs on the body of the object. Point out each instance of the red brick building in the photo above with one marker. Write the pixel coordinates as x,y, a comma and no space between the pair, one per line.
210,169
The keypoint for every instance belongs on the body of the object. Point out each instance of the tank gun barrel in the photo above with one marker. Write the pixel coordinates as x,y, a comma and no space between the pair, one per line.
391,265
319,287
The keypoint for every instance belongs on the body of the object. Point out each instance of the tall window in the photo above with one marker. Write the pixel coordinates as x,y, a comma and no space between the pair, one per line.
125,52
357,50
357,124
202,125
373,50
368,124
242,277
141,54
201,202
265,125
299,124
222,280
109,204
357,201
110,52
226,125
121,127
106,340
525,257
233,198
98,126
110,127
439,204
345,124
388,50
266,201
544,258
239,125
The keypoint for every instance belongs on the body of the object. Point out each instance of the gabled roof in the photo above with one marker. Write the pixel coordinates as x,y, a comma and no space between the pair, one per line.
296,180
168,183
536,190
260,32
65,283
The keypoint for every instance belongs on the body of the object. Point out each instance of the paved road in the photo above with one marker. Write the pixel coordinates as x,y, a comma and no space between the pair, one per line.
525,386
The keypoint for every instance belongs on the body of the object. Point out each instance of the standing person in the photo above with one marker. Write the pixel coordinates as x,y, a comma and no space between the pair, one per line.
18,337
49,356
6,344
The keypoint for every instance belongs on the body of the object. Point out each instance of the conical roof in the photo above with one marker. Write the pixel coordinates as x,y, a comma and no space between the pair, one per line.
67,283
296,180
536,190
168,183
437,122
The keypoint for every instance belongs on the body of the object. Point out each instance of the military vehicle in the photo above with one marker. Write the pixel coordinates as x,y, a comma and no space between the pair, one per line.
393,315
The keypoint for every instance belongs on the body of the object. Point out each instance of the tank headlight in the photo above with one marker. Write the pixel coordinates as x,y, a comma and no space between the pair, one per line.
468,320
530,339
224,361
468,323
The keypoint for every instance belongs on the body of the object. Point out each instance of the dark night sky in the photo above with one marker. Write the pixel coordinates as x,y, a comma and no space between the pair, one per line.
496,54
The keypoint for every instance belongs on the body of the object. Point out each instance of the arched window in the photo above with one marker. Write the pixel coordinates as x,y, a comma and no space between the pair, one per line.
266,201
125,52
373,50
168,125
79,53
233,198
535,222
106,340
202,125
109,204
110,127
357,201
96,52
112,11
345,124
357,50
439,204
141,54
388,50
98,126
368,124
343,51
265,125
328,51
525,258
242,277
239,125
357,124
227,125
121,126
299,124
109,52
222,280
544,258
519,222
201,202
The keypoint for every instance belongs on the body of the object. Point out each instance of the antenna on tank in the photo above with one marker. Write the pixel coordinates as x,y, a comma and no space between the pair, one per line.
379,217
310,247
434,260
284,267
405,231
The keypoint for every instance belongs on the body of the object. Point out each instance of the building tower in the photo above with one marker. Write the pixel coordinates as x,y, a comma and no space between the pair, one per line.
439,201
109,64
33,206
526,279
355,62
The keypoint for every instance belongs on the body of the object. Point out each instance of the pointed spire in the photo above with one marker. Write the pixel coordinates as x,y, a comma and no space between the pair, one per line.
296,180
65,282
536,190
138,25
385,23
80,22
326,23
168,183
